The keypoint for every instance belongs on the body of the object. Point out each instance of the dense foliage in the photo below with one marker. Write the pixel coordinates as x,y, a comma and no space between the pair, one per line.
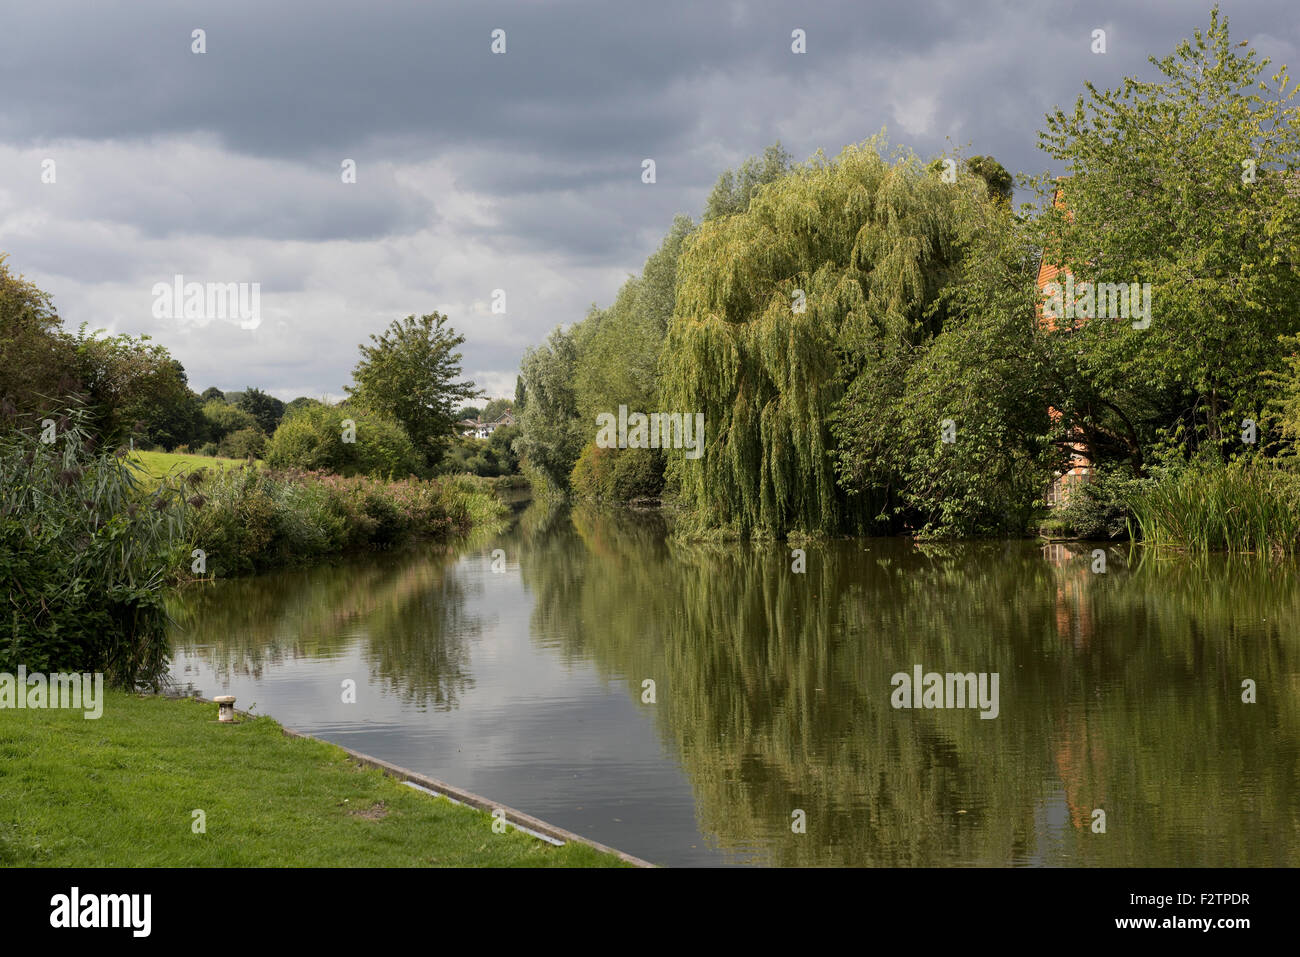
866,338
410,374
1189,183
490,457
343,440
834,277
253,519
86,543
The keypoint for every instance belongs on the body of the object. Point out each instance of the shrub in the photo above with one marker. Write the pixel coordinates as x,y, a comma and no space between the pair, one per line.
223,418
486,458
254,519
638,473
311,437
1100,509
234,526
243,443
593,473
618,475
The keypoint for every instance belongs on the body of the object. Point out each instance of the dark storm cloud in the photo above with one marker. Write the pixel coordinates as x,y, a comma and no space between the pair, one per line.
586,89
474,170
289,78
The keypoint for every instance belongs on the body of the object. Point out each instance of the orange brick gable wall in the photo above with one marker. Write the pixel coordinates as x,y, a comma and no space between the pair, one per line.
1080,465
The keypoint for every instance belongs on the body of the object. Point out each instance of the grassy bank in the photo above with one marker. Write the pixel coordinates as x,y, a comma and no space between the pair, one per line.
121,791
91,537
250,520
160,464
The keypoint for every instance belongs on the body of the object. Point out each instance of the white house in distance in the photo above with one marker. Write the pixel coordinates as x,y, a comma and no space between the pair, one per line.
483,430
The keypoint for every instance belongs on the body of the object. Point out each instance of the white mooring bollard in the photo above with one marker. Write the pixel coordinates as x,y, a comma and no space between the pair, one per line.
226,709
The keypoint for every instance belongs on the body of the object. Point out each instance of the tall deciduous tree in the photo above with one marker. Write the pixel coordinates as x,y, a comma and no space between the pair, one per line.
551,434
735,189
847,253
37,365
267,410
136,389
411,373
620,345
950,434
1189,183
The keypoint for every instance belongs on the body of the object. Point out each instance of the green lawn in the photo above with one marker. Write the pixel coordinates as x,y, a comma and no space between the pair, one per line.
160,463
120,791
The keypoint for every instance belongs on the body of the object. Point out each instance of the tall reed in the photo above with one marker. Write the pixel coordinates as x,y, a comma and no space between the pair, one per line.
87,543
1240,507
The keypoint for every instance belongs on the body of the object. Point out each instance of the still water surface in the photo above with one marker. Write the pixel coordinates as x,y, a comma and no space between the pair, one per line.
1118,691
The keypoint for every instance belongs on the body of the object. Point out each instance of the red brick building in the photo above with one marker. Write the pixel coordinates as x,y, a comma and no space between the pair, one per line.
1080,469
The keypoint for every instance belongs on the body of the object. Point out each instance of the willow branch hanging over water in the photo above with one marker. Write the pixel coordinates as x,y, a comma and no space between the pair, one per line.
860,248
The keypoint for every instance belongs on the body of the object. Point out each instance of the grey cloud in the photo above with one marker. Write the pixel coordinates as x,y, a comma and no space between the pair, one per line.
473,165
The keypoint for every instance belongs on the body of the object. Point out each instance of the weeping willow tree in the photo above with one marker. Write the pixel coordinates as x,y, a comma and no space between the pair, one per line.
857,248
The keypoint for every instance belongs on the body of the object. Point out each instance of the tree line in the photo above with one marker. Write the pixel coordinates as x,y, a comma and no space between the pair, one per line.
398,416
866,339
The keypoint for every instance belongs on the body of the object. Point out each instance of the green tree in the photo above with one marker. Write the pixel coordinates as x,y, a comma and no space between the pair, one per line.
167,410
37,362
502,444
265,409
983,375
300,403
620,346
242,443
410,373
735,189
852,252
223,419
135,389
1186,182
1000,182
551,435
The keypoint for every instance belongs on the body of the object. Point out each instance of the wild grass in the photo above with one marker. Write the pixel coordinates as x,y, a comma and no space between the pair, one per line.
162,464
87,542
1240,507
248,520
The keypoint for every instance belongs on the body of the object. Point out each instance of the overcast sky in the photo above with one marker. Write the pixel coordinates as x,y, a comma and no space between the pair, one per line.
478,171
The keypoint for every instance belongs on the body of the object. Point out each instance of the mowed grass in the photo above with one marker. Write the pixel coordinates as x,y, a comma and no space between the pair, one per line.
160,464
120,791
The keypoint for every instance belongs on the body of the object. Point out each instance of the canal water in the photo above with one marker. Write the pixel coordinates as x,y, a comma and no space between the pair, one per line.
709,704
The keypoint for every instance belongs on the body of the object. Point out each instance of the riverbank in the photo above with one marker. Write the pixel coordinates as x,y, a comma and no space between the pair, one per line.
247,521
127,790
